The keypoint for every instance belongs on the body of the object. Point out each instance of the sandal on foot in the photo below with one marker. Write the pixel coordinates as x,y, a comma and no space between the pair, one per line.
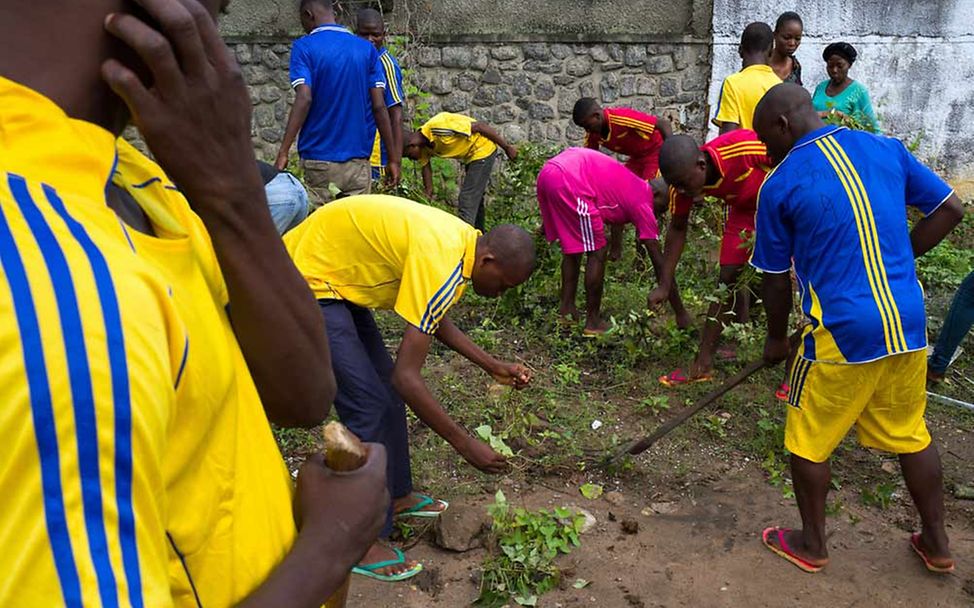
932,567
678,378
593,333
783,391
421,508
369,570
786,553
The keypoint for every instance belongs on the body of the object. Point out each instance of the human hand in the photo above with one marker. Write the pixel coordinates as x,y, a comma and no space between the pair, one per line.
512,374
776,350
482,456
195,115
511,152
658,296
345,511
281,162
393,174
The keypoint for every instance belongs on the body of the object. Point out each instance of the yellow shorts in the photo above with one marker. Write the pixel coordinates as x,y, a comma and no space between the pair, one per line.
884,399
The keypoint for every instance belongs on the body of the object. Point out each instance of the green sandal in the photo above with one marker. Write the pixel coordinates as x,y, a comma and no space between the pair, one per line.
419,509
369,570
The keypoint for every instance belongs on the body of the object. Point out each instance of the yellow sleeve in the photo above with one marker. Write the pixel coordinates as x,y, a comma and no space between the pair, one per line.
729,104
446,124
430,285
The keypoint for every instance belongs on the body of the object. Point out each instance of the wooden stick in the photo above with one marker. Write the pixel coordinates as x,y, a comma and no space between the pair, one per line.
639,446
343,453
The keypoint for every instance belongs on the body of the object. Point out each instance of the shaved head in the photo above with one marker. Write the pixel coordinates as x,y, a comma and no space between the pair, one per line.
369,17
505,259
784,115
678,153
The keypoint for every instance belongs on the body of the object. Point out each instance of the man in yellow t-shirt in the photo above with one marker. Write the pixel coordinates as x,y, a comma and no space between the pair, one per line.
102,337
741,92
388,253
470,141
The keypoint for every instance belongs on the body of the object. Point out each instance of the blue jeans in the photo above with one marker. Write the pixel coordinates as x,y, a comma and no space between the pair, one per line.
959,319
366,401
287,200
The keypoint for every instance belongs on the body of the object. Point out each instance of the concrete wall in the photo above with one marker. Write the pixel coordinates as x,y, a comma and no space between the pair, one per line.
915,57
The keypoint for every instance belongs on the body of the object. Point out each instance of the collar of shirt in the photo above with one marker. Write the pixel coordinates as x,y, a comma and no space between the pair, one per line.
470,255
760,67
41,142
816,134
331,27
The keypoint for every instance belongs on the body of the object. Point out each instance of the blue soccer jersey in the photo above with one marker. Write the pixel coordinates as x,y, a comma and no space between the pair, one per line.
340,68
392,77
836,208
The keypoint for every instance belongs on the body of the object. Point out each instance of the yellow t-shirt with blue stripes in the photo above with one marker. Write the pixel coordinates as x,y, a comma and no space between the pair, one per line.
230,517
452,136
387,253
836,205
92,345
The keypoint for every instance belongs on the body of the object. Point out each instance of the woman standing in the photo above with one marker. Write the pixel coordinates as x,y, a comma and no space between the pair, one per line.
787,37
840,94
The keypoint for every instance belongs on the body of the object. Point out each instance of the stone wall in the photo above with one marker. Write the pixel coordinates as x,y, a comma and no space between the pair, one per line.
510,67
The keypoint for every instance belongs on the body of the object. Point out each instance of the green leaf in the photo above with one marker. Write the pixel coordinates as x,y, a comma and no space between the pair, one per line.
591,491
581,583
531,600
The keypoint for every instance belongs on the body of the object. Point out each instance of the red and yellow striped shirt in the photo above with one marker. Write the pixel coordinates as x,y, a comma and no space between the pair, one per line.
633,134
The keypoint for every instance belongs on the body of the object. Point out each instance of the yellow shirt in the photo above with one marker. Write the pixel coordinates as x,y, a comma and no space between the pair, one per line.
89,365
740,94
230,518
452,137
388,253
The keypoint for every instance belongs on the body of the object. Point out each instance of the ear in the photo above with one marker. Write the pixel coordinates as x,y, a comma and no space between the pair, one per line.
784,124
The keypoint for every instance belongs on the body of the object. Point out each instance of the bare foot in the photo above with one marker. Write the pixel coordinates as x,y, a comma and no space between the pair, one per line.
615,253
596,326
700,368
411,500
570,314
381,553
683,321
796,546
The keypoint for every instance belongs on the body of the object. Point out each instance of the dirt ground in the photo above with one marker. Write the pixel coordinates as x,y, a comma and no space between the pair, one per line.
703,549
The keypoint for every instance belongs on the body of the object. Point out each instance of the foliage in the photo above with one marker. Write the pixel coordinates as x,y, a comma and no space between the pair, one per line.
945,265
591,491
486,433
520,564
880,496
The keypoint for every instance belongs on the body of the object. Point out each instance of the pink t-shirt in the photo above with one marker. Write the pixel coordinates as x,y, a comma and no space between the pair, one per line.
619,195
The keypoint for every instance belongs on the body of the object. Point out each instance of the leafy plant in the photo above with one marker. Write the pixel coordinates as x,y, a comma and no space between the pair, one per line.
522,550
591,491
654,404
486,433
880,496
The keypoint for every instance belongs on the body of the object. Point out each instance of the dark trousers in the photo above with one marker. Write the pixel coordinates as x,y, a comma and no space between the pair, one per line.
366,402
956,325
470,202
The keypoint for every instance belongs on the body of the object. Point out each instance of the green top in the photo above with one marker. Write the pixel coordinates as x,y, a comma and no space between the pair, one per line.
853,101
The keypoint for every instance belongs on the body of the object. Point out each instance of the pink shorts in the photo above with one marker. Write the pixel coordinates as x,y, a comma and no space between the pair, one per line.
568,218
646,168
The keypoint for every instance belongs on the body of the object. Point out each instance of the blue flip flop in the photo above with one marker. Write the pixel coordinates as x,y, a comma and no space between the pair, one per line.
419,509
369,570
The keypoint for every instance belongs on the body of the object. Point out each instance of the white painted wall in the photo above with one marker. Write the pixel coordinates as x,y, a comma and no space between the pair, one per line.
916,57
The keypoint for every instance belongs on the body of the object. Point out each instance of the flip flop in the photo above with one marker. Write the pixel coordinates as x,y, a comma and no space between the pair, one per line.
785,552
419,509
591,334
783,391
369,570
915,543
726,354
678,378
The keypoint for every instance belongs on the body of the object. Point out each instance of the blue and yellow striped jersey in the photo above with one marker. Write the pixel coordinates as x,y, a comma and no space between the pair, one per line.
836,205
91,348
394,96
386,252
230,519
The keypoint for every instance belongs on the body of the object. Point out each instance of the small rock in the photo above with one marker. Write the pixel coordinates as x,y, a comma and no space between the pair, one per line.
889,466
614,498
596,425
964,492
664,508
590,520
460,527
612,516
630,526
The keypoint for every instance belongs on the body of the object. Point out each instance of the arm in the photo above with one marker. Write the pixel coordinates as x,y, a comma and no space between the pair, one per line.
428,180
727,127
408,382
504,373
664,127
340,516
295,120
491,134
928,232
867,111
185,119
395,121
386,133
676,238
777,304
